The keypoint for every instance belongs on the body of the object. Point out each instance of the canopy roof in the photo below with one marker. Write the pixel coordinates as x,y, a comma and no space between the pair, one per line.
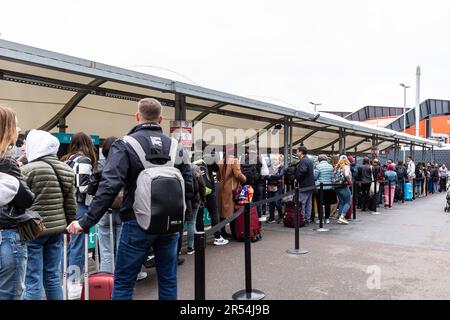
45,87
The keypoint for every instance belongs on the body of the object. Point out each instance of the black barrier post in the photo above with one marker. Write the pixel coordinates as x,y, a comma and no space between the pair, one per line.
200,270
403,190
248,293
355,195
426,186
389,193
414,188
320,208
297,249
375,197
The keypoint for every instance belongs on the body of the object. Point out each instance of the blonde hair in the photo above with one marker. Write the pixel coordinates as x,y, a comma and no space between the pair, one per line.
8,128
342,163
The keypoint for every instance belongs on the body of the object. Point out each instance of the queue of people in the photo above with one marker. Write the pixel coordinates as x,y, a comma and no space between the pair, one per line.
79,191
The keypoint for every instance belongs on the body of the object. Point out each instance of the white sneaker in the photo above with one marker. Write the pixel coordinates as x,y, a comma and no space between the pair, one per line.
342,220
74,290
220,241
141,276
327,221
317,221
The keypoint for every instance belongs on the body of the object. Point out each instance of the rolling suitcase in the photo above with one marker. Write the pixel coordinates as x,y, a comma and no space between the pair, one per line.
408,191
289,215
255,227
99,285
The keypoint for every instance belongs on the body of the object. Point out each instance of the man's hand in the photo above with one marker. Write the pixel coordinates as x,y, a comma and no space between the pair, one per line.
74,228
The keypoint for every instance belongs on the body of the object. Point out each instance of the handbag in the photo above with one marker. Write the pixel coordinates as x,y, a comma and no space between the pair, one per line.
29,223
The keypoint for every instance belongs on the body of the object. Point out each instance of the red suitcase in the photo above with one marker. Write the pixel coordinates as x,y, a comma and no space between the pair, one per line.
289,215
349,212
255,227
98,285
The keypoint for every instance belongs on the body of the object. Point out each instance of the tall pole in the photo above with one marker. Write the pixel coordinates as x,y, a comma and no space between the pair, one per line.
315,105
417,100
404,115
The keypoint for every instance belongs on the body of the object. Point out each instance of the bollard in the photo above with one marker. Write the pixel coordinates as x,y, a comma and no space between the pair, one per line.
200,270
248,293
86,266
296,249
389,193
355,195
426,186
414,188
375,197
320,208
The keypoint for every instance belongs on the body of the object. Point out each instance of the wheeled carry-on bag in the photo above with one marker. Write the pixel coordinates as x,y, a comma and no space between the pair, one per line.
255,227
98,285
408,191
289,215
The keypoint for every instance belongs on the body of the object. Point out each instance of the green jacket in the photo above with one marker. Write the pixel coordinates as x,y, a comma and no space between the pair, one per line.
55,209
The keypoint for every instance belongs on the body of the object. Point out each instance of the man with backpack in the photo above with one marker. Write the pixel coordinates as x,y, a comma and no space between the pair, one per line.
208,165
146,153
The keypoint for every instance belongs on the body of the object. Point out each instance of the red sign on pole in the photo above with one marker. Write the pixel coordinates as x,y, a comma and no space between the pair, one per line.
182,131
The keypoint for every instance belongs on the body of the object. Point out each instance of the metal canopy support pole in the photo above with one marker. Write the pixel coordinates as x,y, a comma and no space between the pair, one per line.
180,107
341,141
286,141
423,153
396,151
62,125
291,134
411,151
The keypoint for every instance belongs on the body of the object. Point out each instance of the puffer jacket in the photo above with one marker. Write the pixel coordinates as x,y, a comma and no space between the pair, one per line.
323,173
57,207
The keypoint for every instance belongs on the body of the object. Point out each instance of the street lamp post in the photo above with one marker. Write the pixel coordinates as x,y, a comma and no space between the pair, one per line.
315,105
404,115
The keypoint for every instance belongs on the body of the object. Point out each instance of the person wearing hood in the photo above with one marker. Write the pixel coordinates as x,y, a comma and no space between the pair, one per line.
14,195
52,181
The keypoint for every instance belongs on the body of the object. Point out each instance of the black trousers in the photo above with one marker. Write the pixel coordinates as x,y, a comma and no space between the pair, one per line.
211,205
365,189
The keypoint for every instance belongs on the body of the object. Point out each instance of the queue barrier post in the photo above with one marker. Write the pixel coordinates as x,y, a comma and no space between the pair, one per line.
248,293
296,249
200,270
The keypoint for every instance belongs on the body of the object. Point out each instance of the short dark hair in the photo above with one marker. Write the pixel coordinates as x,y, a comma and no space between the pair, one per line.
366,160
150,109
107,145
303,150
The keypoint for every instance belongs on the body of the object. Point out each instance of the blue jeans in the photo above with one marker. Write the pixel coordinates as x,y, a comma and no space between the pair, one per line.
344,196
274,204
191,225
13,263
44,258
305,198
104,239
134,246
418,186
435,185
75,251
430,185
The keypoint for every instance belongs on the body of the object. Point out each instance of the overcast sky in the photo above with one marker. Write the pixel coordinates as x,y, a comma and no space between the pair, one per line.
343,54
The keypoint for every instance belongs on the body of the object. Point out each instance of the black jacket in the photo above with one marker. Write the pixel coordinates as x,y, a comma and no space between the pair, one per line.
305,173
24,197
365,173
122,169
401,172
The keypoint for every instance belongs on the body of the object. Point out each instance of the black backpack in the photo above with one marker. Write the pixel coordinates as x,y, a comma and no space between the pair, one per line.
207,179
289,174
250,171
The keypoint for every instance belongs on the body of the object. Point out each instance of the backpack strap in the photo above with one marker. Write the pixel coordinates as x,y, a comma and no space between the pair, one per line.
139,151
143,156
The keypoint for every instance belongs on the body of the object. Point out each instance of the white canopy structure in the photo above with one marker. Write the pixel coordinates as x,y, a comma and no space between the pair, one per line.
57,92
